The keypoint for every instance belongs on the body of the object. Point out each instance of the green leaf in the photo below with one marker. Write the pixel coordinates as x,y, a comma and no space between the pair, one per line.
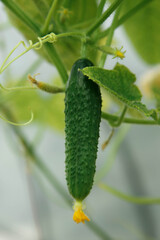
120,83
143,29
48,109
142,108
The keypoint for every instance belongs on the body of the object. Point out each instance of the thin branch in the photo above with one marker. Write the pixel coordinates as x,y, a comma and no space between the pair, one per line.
49,17
128,198
125,17
120,120
100,7
32,199
111,117
110,36
103,17
55,58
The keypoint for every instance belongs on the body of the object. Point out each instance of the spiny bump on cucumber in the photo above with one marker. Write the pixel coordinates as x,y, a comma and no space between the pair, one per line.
82,121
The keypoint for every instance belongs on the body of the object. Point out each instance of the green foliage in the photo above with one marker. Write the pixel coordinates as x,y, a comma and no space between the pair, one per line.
68,48
156,94
143,29
47,109
120,83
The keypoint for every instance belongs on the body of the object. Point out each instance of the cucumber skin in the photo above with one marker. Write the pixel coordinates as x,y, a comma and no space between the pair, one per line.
82,121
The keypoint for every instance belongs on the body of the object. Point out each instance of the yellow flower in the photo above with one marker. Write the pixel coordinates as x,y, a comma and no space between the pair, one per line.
64,14
119,53
79,215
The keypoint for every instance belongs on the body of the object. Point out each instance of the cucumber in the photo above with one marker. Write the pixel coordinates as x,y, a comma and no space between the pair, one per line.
82,121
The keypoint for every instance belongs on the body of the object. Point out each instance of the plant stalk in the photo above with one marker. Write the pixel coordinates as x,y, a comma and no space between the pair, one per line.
111,117
52,53
103,17
125,17
128,198
110,36
49,17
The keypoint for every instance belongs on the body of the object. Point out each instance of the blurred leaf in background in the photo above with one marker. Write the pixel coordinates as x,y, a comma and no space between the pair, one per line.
143,29
47,108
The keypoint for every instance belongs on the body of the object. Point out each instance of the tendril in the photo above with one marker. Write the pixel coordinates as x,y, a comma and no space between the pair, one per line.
16,88
18,124
51,38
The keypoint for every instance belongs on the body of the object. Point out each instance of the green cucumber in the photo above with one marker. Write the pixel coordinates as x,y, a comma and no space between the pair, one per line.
82,121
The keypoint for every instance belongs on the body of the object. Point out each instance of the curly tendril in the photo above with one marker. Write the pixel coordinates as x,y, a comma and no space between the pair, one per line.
18,124
51,38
